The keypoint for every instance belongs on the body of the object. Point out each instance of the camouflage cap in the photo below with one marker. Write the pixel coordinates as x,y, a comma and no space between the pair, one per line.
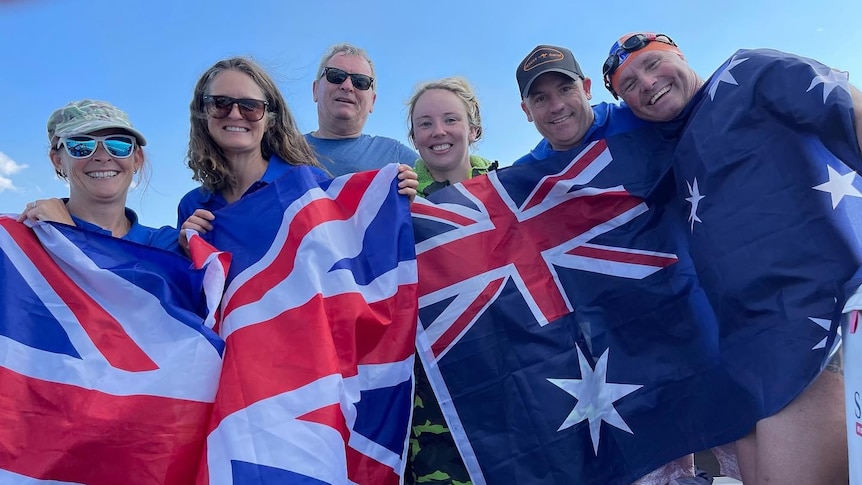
86,116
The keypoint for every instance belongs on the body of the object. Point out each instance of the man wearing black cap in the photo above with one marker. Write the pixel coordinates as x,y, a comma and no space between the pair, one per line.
555,95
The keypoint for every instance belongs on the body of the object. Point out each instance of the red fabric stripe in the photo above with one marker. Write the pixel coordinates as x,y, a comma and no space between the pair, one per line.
576,168
309,217
329,416
106,333
364,469
465,318
87,436
439,213
314,340
623,256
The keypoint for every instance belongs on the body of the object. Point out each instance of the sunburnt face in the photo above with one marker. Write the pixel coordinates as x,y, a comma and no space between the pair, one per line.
657,85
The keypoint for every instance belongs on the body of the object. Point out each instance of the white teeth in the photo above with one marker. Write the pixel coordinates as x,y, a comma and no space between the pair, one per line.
102,175
659,94
560,120
235,128
439,148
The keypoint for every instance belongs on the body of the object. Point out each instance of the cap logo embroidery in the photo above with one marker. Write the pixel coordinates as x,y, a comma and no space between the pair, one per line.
542,56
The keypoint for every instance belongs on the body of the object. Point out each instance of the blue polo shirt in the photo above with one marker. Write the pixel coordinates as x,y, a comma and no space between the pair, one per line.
609,120
212,201
164,237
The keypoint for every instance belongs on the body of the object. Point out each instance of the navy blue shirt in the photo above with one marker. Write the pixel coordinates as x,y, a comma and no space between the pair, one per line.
212,201
164,237
609,119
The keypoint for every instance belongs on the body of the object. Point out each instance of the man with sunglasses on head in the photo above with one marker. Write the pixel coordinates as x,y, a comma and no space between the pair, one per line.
345,91
555,96
768,153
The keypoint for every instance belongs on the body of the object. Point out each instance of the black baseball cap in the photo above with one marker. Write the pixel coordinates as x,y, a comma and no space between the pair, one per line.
546,58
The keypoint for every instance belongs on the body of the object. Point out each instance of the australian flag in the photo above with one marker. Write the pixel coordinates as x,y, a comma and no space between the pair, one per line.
319,319
565,329
107,367
767,171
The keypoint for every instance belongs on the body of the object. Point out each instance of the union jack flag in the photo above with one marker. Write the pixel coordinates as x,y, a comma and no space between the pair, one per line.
107,368
561,323
319,318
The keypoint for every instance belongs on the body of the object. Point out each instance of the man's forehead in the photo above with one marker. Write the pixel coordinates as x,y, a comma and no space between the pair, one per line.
630,69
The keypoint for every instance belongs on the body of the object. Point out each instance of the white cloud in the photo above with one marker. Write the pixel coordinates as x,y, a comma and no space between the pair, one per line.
8,167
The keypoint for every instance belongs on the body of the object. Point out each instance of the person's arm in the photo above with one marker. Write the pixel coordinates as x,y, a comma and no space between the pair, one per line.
856,96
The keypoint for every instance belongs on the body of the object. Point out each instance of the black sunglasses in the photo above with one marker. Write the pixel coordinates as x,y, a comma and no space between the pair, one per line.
220,107
633,43
338,76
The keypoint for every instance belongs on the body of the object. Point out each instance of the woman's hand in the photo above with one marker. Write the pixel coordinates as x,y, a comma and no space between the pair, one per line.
408,181
200,221
47,210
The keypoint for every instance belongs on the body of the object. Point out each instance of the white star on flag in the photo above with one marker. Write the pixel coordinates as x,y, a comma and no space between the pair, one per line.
833,79
694,200
839,186
825,323
595,397
725,76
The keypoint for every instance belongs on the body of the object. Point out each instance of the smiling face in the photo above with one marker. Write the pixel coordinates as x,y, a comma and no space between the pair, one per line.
442,134
234,134
657,85
341,108
100,178
559,106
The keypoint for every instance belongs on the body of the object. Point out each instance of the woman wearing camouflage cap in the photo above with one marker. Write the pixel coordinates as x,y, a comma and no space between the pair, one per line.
97,151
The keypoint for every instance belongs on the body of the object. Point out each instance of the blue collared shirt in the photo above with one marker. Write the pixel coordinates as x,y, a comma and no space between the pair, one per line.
609,119
164,237
212,201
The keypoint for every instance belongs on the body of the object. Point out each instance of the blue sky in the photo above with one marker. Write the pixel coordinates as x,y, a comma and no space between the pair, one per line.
145,57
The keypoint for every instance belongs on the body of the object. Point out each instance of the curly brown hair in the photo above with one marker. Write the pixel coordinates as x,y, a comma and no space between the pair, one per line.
282,137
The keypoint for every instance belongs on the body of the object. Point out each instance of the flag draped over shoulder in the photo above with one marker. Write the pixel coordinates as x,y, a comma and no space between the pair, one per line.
108,372
319,318
767,171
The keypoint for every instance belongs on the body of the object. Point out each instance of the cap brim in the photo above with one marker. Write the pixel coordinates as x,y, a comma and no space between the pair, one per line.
96,126
529,84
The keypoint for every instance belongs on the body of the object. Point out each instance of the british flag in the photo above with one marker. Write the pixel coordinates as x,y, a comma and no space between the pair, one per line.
319,318
561,323
107,369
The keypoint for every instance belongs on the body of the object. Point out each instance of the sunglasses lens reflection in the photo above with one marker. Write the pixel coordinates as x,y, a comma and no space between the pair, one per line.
338,76
220,107
119,146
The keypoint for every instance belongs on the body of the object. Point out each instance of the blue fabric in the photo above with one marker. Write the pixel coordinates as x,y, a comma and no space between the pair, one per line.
610,119
164,237
772,246
366,152
563,361
203,199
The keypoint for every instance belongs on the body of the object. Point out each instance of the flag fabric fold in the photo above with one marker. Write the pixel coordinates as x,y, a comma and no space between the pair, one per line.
319,320
107,370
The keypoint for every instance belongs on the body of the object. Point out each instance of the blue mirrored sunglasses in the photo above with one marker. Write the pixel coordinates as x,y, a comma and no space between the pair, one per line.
83,146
